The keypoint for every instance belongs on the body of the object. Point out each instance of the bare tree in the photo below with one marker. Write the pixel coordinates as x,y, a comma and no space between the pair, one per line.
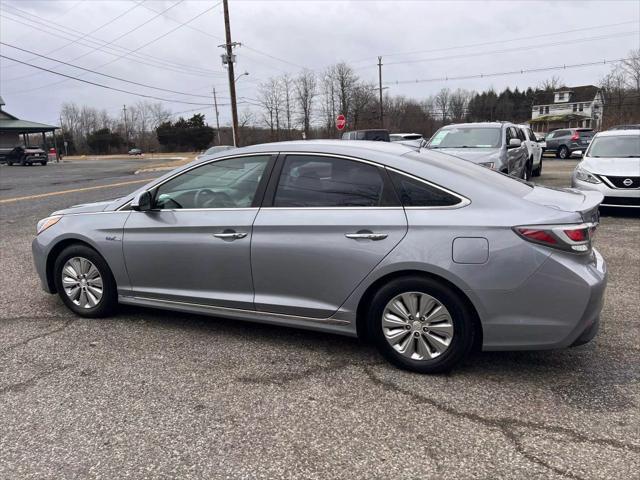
363,105
458,102
441,102
329,103
159,114
550,84
305,90
286,85
631,68
345,80
270,98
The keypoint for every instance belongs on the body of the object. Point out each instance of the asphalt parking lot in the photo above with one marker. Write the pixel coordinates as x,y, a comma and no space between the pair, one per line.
150,394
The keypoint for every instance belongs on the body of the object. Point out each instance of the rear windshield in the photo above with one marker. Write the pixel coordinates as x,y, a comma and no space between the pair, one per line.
586,133
466,137
624,146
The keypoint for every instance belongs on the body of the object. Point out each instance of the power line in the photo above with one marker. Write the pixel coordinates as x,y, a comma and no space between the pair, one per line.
204,32
498,42
92,31
102,74
71,77
46,25
515,49
128,32
514,72
138,48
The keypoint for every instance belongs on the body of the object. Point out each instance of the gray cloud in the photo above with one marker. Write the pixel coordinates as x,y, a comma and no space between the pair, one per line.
313,34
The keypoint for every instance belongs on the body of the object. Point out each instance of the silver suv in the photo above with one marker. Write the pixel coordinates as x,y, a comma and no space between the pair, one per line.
496,145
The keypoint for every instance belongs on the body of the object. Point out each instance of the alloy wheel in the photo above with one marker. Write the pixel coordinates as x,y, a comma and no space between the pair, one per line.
82,282
417,326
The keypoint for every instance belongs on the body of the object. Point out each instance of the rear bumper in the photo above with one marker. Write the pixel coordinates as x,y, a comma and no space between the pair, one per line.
557,307
613,197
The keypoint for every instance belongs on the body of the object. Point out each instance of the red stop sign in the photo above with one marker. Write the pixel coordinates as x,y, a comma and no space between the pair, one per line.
341,122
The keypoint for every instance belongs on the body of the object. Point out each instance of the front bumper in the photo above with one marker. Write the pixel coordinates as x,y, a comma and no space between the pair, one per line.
613,197
557,307
40,262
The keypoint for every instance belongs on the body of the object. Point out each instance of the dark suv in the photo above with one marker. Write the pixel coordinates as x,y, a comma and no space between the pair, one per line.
26,156
568,140
373,134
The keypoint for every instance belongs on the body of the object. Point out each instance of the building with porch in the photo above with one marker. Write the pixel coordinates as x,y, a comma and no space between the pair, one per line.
15,132
567,107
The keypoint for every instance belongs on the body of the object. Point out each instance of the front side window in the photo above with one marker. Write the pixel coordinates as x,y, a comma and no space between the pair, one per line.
466,137
317,181
231,183
414,193
546,109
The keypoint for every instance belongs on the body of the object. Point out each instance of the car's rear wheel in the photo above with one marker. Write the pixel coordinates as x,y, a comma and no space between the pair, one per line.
10,164
84,282
421,325
538,170
563,153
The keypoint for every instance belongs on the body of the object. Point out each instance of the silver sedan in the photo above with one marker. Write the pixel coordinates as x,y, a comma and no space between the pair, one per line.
426,255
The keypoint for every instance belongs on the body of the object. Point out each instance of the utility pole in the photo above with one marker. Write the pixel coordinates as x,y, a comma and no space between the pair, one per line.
126,130
380,91
215,103
232,84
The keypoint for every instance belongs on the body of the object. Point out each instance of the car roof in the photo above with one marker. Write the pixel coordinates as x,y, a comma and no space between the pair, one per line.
478,124
619,133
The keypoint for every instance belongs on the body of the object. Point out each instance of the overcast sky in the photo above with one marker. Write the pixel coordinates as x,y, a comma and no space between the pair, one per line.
433,39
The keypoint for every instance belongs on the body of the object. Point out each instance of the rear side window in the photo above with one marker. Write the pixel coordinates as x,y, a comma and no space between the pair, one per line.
317,181
586,133
414,193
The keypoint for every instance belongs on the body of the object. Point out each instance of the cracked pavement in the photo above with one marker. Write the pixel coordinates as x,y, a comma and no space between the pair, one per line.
153,394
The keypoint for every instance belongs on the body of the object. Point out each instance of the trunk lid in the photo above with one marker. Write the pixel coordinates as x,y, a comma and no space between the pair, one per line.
585,203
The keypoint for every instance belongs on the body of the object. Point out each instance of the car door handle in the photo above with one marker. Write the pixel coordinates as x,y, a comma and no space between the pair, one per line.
366,236
230,235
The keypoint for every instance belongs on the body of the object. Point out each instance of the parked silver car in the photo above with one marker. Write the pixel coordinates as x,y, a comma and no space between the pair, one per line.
611,166
496,145
425,254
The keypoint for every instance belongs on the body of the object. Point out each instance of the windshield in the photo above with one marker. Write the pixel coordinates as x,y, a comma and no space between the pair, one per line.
625,146
466,137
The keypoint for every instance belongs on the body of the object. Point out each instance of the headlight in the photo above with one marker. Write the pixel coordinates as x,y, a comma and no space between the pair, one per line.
46,223
488,164
586,176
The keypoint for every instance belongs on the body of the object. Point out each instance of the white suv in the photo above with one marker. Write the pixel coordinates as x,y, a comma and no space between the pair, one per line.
534,148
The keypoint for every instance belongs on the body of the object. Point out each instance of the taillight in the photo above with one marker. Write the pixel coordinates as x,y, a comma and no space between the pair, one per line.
571,238
575,136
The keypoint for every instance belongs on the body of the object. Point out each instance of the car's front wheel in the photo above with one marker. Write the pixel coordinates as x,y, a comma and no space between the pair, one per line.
84,282
421,325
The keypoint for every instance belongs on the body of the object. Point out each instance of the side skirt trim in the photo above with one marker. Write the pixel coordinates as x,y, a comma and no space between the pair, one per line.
226,311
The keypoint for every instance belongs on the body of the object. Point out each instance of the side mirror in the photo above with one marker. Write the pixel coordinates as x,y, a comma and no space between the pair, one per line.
514,143
142,202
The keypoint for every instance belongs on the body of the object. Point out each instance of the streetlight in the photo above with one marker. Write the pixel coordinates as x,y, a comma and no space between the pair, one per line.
241,75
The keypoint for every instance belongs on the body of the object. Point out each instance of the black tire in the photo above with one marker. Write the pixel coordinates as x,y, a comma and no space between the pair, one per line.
528,169
563,153
43,163
10,164
109,301
462,318
537,171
